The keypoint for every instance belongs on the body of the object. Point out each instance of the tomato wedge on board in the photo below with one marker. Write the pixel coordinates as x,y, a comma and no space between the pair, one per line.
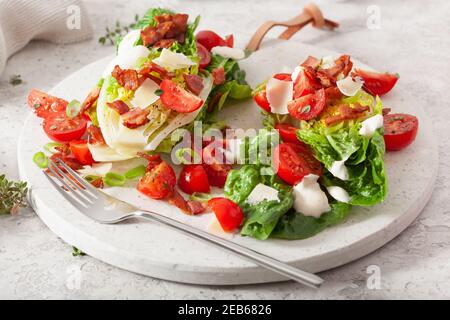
193,178
159,182
228,213
261,100
81,152
400,130
44,104
376,83
308,107
205,56
293,162
60,128
209,39
176,98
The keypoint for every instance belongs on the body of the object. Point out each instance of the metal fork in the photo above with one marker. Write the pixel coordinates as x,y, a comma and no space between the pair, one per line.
96,205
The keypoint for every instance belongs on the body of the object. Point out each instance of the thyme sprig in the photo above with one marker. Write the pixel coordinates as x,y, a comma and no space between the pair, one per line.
12,195
118,31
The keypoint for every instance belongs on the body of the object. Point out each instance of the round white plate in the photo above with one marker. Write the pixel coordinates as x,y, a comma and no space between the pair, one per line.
156,251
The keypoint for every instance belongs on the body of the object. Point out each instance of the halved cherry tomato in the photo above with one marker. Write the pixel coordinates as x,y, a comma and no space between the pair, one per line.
205,56
293,162
376,83
306,83
193,178
60,128
400,130
209,39
159,182
44,104
216,170
308,107
230,40
176,98
288,133
228,213
81,152
283,76
261,100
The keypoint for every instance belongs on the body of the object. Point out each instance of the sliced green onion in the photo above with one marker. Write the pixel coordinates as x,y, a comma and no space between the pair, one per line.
200,197
41,160
114,179
73,109
51,147
193,157
135,173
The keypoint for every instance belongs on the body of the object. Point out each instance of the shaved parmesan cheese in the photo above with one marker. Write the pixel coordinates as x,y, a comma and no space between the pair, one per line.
227,52
128,42
128,59
180,120
339,194
102,153
339,170
327,62
369,126
173,60
262,192
309,198
97,169
145,94
348,86
279,94
296,73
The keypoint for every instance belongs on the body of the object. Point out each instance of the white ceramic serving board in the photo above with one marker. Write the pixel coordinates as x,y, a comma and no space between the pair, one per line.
157,251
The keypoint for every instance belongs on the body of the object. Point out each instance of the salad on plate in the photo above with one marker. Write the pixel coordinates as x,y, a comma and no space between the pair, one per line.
320,153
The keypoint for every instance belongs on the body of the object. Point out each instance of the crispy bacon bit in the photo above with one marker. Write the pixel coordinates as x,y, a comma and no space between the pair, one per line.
164,43
191,208
98,183
346,112
135,118
345,64
218,76
328,77
151,67
312,62
194,83
386,111
333,93
126,78
168,27
90,100
153,159
119,106
95,135
64,154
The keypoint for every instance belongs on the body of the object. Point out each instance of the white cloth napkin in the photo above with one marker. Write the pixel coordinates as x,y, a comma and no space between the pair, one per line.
58,21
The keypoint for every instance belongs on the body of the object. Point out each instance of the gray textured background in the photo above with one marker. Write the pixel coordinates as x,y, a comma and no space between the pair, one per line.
413,40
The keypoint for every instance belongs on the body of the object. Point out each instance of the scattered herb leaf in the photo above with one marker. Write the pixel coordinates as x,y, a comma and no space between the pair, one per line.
12,195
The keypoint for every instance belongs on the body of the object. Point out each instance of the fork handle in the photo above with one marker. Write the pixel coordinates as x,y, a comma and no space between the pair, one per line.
311,14
262,260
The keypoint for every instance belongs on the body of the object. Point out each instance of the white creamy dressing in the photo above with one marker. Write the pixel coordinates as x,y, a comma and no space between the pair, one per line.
339,170
309,198
339,194
369,126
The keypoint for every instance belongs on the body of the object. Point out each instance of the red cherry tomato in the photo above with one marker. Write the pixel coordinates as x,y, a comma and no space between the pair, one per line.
193,178
306,83
209,39
283,76
205,56
400,130
60,128
376,83
261,100
230,40
308,107
176,98
216,171
293,162
228,213
288,133
159,182
81,152
44,105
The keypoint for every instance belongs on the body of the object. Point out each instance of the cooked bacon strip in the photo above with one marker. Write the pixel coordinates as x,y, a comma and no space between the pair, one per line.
328,77
151,67
333,93
312,62
191,208
95,135
98,183
219,76
150,36
119,106
153,159
135,118
386,111
181,21
194,83
347,112
164,43
168,27
90,100
126,78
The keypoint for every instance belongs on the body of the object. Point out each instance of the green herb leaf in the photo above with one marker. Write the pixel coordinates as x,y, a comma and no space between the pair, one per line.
77,252
16,80
12,195
159,92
